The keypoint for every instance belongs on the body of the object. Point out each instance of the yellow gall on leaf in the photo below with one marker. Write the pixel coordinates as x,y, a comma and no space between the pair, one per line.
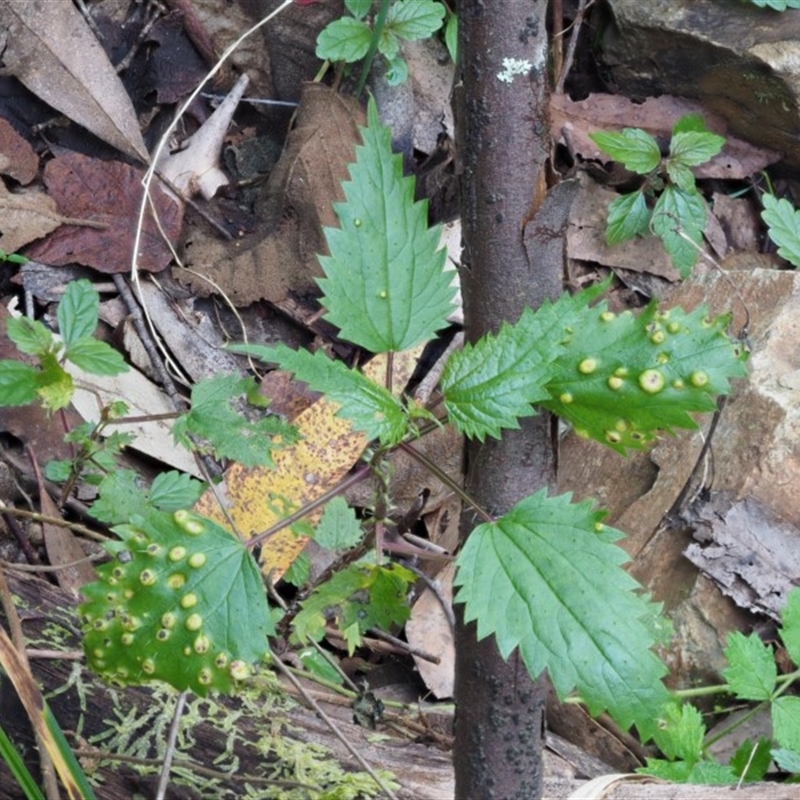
193,622
147,577
607,316
566,398
177,553
588,366
615,383
197,560
176,580
189,600
698,378
651,381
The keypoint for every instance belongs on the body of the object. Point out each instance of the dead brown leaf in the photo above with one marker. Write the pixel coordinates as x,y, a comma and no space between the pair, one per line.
50,48
297,203
18,159
25,217
107,193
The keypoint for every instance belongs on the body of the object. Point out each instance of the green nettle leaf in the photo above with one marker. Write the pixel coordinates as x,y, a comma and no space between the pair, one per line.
489,384
776,5
790,632
338,529
415,19
386,286
225,432
680,733
18,383
29,335
622,378
78,311
547,578
784,227
370,407
751,672
676,213
693,148
752,759
628,216
344,39
633,147
96,357
786,722
182,601
359,597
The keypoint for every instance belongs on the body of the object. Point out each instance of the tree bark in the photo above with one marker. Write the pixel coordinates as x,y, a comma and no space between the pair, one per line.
503,145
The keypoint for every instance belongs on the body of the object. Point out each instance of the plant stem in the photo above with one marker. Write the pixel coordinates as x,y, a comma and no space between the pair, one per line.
358,476
445,479
377,30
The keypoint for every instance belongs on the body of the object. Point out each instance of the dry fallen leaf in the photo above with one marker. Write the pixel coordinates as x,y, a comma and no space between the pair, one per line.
25,217
259,497
51,50
297,202
18,159
108,193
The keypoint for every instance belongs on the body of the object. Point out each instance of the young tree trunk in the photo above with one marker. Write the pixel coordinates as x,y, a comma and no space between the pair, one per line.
513,258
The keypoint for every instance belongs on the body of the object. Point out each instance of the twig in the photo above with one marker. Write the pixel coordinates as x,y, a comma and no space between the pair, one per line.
583,7
172,738
315,706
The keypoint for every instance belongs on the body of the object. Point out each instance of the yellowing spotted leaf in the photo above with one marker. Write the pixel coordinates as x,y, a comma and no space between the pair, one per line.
258,497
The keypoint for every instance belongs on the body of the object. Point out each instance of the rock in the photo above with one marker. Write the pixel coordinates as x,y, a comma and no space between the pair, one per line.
739,60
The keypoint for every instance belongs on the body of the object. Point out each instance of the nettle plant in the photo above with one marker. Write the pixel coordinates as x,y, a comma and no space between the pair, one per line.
351,38
667,202
182,599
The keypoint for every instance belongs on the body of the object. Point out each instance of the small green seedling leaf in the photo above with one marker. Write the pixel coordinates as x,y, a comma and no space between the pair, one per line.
633,147
30,336
786,722
751,672
549,559
371,408
790,632
358,8
18,383
693,147
414,19
55,385
628,216
338,529
679,215
783,220
97,357
359,597
620,379
220,429
344,39
78,311
182,601
680,733
386,286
